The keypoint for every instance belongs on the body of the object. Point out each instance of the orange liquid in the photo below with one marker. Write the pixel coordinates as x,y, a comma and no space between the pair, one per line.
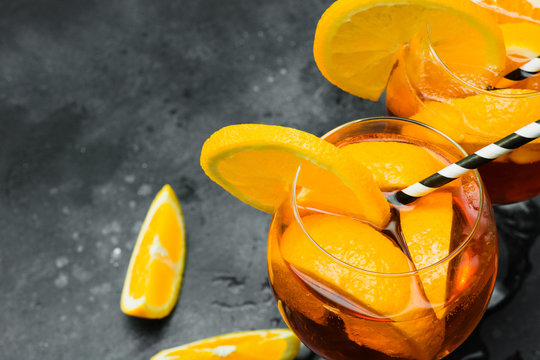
322,317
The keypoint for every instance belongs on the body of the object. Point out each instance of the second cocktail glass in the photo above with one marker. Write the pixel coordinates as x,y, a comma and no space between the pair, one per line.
425,87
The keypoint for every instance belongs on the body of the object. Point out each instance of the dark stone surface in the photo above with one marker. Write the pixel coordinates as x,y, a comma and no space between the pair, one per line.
101,104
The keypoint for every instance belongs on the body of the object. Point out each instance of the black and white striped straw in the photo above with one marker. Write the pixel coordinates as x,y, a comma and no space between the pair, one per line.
531,68
451,172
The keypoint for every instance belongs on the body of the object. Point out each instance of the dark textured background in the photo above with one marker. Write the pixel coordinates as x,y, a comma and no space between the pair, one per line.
102,103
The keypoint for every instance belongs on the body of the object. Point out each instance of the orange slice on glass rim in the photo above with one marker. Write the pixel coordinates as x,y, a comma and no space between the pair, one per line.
154,275
274,344
258,163
357,41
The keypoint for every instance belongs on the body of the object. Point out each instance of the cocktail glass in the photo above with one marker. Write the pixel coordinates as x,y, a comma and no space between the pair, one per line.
425,87
341,311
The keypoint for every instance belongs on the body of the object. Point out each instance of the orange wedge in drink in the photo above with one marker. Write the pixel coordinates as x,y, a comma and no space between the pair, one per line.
477,121
154,275
357,41
258,163
395,165
274,344
427,229
513,10
350,243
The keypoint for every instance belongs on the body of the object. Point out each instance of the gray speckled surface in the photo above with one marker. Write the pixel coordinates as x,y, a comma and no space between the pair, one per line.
102,103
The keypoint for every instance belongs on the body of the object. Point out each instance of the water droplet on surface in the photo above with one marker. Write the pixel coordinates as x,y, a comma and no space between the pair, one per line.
132,204
283,71
116,254
144,190
80,249
65,210
75,236
61,262
256,88
101,289
112,228
270,79
130,179
61,281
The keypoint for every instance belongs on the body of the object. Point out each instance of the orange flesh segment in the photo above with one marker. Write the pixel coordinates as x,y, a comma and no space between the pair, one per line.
160,249
160,285
427,229
395,165
399,299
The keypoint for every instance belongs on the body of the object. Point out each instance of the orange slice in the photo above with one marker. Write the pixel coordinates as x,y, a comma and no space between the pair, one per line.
357,41
513,10
154,275
258,163
274,344
414,331
395,165
427,228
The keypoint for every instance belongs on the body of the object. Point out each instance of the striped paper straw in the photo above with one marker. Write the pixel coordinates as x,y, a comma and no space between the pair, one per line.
451,172
531,68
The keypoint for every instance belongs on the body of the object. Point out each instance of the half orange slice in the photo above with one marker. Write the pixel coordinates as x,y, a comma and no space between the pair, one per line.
274,344
357,41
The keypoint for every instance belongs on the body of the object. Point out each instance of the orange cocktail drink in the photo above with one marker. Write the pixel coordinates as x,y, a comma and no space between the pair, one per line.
444,63
413,290
428,86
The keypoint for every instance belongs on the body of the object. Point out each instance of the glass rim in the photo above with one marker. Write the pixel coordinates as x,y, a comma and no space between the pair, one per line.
433,52
430,267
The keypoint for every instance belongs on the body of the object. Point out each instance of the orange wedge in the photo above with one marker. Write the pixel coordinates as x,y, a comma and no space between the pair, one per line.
513,10
398,298
258,163
357,41
395,165
154,275
274,344
427,229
